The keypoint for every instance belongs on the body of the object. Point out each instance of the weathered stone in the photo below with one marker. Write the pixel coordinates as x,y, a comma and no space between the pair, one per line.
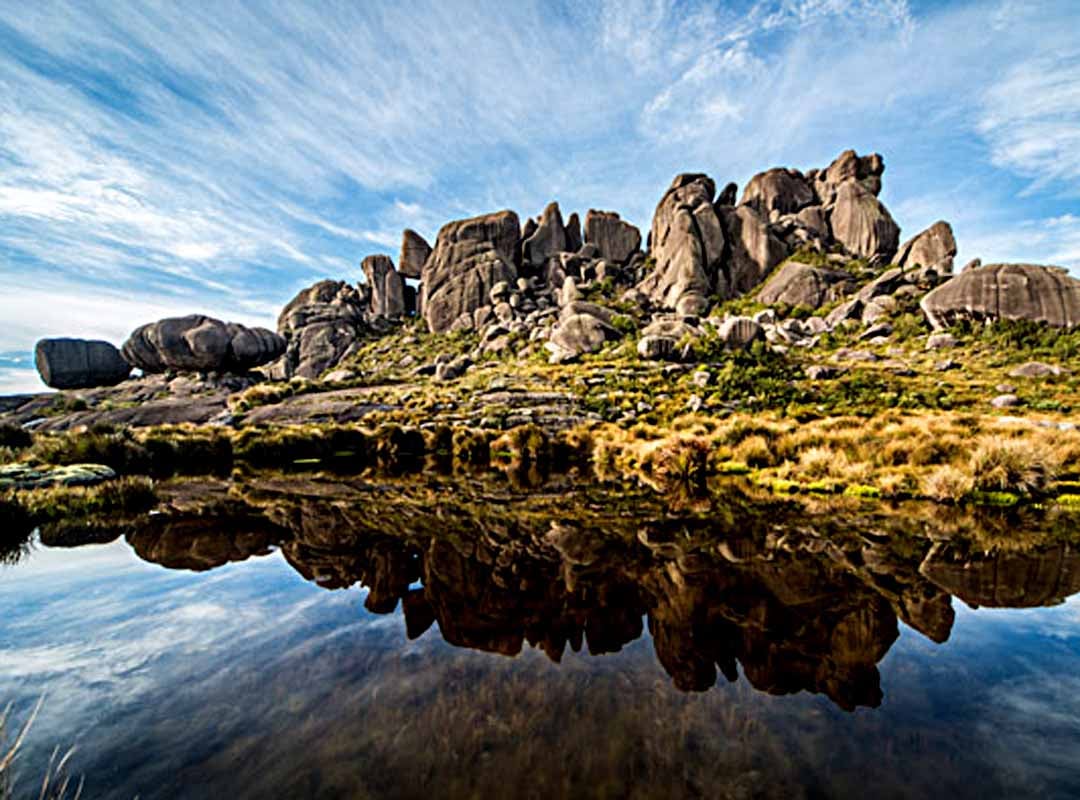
933,248
548,239
200,344
1036,369
738,333
754,249
849,167
728,195
780,189
1005,401
470,257
1006,291
321,326
573,233
414,253
577,334
940,341
862,224
615,238
847,311
687,246
79,363
797,284
387,287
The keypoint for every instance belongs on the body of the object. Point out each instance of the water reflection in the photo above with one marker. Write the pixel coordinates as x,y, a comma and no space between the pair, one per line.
800,601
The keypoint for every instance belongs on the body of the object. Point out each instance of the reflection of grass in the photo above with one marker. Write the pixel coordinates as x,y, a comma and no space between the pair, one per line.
56,782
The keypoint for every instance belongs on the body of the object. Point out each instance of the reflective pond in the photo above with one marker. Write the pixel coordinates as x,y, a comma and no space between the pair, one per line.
334,637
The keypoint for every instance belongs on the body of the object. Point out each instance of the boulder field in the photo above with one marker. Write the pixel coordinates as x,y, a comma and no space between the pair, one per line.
820,242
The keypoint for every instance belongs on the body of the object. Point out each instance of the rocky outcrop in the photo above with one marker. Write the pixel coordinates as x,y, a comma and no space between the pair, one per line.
79,363
1006,291
783,190
796,284
862,224
547,238
414,252
753,248
201,344
616,239
849,167
687,245
387,287
469,258
322,325
932,249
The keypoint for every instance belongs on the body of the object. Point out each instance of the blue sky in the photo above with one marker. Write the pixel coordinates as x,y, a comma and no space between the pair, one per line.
165,158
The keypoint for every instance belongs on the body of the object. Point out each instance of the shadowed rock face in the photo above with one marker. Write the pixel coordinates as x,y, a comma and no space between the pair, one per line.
783,190
470,257
862,224
387,288
933,248
798,284
321,325
616,239
687,244
201,344
79,364
1006,291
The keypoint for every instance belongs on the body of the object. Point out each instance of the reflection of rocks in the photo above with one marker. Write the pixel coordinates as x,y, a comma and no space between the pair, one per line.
1041,577
200,543
794,607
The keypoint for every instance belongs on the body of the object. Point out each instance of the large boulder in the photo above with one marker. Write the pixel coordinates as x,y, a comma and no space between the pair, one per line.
469,258
850,167
79,363
201,344
797,284
547,238
387,287
579,333
615,238
862,224
933,249
784,190
1006,291
754,249
414,252
687,246
322,325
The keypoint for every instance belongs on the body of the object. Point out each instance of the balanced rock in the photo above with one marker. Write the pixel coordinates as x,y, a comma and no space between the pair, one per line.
79,363
1006,291
784,190
687,246
201,344
387,287
469,258
615,238
796,284
322,325
414,252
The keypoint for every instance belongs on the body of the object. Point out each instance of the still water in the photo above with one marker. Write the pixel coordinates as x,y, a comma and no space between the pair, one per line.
337,638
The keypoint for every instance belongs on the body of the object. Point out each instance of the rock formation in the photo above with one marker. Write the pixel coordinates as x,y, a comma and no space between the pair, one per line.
414,252
79,363
786,191
469,258
687,245
615,239
932,249
548,238
321,326
387,287
201,344
862,224
797,284
1006,291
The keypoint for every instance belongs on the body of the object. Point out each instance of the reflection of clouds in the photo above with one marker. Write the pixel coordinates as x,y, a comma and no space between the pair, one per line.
1056,622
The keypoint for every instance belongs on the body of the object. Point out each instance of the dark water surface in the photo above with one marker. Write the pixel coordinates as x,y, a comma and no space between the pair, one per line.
329,639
